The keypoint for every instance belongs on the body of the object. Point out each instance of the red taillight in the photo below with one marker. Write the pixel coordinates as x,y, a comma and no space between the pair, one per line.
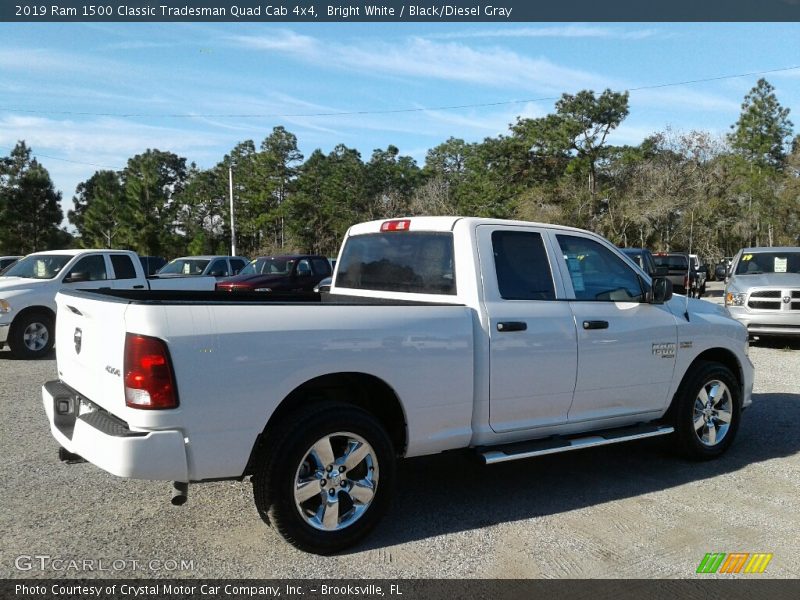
149,381
396,225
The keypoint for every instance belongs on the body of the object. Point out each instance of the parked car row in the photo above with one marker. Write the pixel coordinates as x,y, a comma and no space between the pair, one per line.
684,270
29,286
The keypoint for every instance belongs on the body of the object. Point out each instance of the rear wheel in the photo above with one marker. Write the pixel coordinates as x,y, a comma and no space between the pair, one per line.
31,336
329,480
708,407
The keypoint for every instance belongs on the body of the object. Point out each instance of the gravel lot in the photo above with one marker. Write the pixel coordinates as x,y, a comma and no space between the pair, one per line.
631,510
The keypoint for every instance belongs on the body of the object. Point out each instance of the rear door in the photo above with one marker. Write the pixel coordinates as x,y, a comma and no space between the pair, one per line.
626,346
532,338
123,273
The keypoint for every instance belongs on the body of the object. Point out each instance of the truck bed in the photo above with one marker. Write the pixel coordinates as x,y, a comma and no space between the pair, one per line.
171,297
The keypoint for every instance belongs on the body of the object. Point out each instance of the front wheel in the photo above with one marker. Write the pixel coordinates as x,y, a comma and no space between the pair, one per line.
31,336
329,480
708,408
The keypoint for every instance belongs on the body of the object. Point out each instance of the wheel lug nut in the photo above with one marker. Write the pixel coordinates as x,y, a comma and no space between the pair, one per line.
322,483
341,469
331,491
329,468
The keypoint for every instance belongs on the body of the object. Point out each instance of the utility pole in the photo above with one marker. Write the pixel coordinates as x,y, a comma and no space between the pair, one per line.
233,223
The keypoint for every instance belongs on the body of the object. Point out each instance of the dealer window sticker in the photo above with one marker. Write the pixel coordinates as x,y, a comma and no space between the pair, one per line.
780,264
575,273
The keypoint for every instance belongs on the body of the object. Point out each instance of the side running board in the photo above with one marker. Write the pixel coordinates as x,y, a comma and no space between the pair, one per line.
553,445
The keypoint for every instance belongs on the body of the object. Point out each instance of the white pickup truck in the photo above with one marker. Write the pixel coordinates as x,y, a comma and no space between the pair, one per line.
28,291
511,339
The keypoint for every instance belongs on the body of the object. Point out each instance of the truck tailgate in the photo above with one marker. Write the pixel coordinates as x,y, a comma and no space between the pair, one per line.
90,342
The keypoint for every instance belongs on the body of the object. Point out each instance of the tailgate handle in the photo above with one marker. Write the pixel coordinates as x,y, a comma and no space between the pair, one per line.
75,310
512,326
595,324
138,287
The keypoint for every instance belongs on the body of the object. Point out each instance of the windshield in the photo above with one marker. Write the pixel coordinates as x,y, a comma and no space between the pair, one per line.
755,263
185,266
269,266
41,266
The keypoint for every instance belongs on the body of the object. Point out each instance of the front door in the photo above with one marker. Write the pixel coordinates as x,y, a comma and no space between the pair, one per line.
626,346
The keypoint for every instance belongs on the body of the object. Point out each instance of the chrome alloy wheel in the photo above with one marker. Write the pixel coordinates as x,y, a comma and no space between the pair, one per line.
35,336
336,481
713,411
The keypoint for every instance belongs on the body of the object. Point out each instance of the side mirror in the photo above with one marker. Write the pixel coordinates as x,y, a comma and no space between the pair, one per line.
703,269
217,273
661,290
76,277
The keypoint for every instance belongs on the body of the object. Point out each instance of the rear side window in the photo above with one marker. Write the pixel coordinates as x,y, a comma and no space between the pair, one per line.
420,263
219,268
237,264
523,271
123,266
321,266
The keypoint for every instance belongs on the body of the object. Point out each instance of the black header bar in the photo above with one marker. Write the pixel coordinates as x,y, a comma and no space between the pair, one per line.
310,11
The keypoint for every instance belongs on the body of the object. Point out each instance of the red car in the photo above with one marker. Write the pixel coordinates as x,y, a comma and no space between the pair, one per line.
290,273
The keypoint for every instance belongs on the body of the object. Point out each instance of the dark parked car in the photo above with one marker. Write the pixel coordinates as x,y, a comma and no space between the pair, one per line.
292,273
644,258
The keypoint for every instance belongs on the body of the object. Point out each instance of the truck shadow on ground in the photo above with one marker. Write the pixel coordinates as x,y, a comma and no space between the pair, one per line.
455,492
781,343
5,354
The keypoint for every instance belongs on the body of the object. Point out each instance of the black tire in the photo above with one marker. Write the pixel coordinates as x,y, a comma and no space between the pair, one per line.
699,443
32,335
283,461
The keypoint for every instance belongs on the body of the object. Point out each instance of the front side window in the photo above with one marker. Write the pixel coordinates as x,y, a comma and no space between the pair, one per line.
597,273
520,261
89,268
402,261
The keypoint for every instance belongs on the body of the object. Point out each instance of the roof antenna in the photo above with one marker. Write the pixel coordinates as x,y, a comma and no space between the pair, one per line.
687,287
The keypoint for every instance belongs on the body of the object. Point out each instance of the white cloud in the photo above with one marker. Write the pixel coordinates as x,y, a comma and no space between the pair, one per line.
569,31
425,58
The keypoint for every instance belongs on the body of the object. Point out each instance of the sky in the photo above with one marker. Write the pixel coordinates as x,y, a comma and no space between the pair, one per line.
89,96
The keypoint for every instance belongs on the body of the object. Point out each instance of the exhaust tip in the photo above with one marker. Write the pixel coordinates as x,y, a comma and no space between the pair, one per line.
180,493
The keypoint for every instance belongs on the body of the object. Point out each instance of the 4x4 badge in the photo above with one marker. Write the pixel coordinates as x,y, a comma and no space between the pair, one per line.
77,338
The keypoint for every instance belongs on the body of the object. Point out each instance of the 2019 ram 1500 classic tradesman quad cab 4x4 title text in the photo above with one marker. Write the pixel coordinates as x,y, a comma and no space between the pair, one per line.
28,291
514,339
